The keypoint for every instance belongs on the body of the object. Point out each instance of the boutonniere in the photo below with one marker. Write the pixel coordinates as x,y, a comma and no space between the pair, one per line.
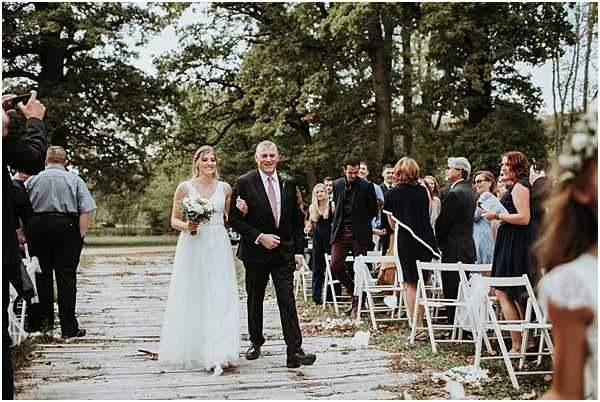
284,177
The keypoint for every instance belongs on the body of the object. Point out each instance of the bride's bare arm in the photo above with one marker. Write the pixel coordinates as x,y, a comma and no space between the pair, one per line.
177,221
228,192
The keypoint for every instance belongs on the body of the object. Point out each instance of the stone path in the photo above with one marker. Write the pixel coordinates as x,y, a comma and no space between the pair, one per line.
121,297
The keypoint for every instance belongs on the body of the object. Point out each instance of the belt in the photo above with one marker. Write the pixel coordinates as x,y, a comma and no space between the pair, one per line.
63,214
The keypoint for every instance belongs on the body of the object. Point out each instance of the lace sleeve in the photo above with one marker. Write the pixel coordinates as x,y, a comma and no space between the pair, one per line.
564,291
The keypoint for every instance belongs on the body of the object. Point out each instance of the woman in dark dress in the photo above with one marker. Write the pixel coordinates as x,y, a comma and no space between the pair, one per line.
320,218
512,255
409,202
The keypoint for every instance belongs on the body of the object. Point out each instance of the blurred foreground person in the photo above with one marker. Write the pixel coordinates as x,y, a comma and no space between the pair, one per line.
568,249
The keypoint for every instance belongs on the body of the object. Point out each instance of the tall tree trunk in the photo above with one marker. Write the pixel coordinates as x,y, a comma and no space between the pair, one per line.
407,87
51,77
591,23
379,49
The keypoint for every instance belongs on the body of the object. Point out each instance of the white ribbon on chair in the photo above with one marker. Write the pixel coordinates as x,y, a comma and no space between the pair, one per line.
475,296
33,266
361,272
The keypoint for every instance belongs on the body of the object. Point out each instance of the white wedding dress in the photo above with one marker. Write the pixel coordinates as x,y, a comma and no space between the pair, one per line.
572,286
201,325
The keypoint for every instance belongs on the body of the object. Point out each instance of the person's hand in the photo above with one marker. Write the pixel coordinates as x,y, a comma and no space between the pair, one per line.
33,108
489,215
241,205
192,226
379,232
7,97
269,241
298,263
534,175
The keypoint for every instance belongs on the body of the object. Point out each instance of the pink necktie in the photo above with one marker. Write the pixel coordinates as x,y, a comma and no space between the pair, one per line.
272,199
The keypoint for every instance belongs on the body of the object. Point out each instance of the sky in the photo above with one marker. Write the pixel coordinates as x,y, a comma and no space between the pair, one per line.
167,41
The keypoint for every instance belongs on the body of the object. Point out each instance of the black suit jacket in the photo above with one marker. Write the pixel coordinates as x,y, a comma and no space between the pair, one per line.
259,219
454,225
364,209
27,155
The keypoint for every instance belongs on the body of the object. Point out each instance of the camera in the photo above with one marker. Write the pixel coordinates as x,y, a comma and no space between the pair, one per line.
12,104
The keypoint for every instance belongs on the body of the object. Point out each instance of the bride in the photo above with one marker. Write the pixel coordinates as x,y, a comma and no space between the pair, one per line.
201,326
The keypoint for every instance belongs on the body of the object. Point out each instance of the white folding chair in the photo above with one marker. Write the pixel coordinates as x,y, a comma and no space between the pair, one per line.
436,284
433,301
337,300
365,283
489,321
302,278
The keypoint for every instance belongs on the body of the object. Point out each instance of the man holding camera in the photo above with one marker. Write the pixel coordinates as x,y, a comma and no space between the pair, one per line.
27,155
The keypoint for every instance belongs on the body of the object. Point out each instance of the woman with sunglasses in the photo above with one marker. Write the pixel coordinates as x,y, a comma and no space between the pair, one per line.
484,185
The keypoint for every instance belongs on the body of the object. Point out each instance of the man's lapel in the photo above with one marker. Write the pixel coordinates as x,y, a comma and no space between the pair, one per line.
282,188
262,198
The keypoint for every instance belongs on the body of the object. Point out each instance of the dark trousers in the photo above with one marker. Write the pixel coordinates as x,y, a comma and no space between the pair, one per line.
7,370
257,277
56,241
451,280
343,244
321,246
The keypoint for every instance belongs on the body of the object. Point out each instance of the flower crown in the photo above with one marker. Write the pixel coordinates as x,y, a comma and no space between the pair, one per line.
581,147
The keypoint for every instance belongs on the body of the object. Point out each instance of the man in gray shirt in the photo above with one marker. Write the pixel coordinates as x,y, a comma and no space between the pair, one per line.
62,211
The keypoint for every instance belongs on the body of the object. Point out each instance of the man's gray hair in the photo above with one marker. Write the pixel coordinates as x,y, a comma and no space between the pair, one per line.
266,144
461,163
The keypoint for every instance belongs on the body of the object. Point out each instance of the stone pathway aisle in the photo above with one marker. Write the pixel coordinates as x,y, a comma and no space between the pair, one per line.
121,297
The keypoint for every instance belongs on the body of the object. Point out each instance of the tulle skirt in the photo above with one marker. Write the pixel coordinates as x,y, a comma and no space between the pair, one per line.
201,324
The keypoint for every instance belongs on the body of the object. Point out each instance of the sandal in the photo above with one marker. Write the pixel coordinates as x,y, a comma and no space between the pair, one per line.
421,335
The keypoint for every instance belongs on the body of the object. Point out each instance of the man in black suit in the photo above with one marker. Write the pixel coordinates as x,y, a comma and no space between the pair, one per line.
271,235
355,207
25,154
387,172
454,225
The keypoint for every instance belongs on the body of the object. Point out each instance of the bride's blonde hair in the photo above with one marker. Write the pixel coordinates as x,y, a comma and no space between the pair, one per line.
204,150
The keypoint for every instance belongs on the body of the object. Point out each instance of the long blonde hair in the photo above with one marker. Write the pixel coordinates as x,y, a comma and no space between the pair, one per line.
313,210
204,150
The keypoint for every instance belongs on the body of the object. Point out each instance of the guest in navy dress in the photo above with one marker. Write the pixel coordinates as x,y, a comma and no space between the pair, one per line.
320,217
512,256
409,203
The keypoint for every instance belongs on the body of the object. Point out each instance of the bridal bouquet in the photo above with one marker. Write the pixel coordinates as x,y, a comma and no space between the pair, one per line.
197,209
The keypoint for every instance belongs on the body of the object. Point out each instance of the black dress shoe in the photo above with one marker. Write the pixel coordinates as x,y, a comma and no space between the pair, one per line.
253,352
79,334
300,358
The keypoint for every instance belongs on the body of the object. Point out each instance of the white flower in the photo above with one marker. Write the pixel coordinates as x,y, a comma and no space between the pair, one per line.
569,161
579,141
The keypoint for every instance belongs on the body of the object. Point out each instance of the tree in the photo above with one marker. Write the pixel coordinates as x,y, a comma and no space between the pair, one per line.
108,114
476,46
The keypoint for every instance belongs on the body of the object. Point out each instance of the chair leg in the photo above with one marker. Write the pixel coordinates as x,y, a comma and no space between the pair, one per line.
359,310
505,357
413,329
371,309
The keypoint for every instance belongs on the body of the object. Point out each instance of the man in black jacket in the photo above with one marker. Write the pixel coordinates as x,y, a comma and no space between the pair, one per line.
27,155
355,207
272,234
454,225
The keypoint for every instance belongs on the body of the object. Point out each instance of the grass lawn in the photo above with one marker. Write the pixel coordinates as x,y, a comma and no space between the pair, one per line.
130,241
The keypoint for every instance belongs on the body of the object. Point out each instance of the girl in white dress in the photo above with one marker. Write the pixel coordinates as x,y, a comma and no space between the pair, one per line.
201,326
569,250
